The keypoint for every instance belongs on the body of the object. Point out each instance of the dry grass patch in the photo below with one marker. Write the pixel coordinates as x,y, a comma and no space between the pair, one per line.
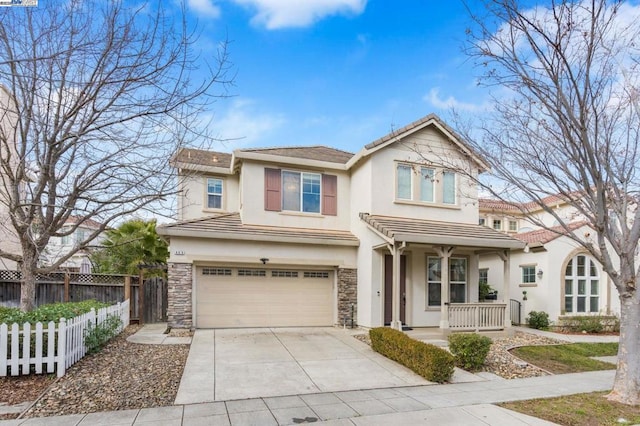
570,358
586,409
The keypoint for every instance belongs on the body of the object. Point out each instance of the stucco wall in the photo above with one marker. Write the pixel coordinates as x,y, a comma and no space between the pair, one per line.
194,188
253,211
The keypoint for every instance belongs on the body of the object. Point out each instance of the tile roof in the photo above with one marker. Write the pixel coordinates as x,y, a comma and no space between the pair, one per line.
202,157
230,226
436,232
503,205
544,236
317,152
88,223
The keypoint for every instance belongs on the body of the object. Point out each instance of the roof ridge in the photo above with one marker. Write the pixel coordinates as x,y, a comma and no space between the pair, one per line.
293,147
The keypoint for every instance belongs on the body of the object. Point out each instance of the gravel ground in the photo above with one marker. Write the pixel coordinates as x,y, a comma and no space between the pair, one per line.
500,361
123,375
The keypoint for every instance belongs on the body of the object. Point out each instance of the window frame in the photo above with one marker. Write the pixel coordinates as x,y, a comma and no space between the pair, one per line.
416,190
528,274
301,190
499,222
579,286
214,194
513,228
465,283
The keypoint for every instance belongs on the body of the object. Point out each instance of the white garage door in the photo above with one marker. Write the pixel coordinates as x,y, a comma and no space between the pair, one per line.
248,297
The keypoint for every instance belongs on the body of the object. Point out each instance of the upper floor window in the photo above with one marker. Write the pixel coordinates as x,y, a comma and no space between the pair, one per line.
427,180
300,192
482,221
497,224
425,184
214,193
404,182
513,225
448,187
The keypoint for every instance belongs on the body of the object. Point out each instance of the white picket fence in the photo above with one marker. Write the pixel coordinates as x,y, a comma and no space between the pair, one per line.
49,348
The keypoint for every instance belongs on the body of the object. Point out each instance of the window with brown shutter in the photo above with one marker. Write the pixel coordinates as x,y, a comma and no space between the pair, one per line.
329,195
272,188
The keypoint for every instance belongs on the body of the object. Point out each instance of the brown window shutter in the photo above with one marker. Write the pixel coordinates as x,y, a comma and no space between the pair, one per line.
272,188
329,195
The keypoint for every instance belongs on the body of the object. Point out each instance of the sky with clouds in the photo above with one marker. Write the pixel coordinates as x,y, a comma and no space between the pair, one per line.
335,72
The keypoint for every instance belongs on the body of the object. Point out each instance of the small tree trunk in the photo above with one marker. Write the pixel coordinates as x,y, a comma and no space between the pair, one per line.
626,386
28,285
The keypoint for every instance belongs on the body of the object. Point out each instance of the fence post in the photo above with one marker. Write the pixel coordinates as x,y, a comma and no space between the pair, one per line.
67,279
141,297
62,346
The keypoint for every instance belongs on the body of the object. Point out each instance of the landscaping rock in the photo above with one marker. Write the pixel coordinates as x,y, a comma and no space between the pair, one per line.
123,375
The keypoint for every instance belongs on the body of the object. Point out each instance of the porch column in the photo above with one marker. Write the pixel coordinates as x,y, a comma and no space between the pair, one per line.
506,259
444,253
396,298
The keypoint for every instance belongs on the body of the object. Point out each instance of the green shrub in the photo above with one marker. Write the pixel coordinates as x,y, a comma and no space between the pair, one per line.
51,312
95,337
590,323
538,320
429,361
469,350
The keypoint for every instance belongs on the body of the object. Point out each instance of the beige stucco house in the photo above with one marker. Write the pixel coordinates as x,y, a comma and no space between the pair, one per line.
315,236
553,273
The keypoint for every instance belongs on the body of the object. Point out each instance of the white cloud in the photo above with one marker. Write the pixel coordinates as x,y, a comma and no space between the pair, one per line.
276,14
433,97
243,125
205,7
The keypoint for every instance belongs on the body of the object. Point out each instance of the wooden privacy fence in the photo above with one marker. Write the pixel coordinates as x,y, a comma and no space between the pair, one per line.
45,348
477,316
75,287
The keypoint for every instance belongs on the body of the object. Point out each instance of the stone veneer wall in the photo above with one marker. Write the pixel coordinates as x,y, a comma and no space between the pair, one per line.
347,295
179,306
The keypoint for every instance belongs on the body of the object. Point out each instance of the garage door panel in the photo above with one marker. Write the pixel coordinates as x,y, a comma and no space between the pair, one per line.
263,301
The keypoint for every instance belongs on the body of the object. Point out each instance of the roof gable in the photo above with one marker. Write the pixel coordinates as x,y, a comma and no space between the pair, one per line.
409,129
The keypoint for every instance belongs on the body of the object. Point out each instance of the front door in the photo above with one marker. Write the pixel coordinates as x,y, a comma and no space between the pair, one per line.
388,288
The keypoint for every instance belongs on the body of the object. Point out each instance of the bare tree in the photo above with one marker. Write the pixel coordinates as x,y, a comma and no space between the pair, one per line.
566,122
98,96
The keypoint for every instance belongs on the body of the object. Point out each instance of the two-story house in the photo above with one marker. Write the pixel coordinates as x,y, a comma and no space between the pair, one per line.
315,236
553,273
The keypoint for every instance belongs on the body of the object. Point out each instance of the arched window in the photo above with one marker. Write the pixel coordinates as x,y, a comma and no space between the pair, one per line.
581,285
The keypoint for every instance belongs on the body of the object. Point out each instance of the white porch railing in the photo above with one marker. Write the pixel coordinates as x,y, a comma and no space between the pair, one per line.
477,316
51,347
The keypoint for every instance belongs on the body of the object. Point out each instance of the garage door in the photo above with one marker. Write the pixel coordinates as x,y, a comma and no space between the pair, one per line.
249,297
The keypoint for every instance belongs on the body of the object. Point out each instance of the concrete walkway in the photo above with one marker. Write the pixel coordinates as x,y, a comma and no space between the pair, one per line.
155,334
454,404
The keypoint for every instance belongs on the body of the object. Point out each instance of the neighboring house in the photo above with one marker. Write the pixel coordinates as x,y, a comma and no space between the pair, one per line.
60,246
9,241
557,274
306,236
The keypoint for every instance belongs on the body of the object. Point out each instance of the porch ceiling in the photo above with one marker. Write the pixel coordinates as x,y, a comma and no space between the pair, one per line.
400,229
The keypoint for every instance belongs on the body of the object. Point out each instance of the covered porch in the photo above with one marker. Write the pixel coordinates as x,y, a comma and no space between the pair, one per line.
430,274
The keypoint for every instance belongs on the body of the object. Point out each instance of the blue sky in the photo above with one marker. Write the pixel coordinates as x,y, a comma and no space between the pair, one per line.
335,72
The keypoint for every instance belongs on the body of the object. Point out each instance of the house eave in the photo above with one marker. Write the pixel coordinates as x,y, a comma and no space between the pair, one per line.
180,165
294,161
257,237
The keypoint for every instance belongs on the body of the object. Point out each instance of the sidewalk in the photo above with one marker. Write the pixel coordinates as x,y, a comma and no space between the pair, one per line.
457,404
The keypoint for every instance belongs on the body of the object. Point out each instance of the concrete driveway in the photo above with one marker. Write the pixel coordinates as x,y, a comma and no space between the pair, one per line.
226,364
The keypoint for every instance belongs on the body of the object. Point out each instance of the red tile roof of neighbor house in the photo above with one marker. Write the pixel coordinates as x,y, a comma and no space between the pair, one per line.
317,152
544,236
512,206
202,157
